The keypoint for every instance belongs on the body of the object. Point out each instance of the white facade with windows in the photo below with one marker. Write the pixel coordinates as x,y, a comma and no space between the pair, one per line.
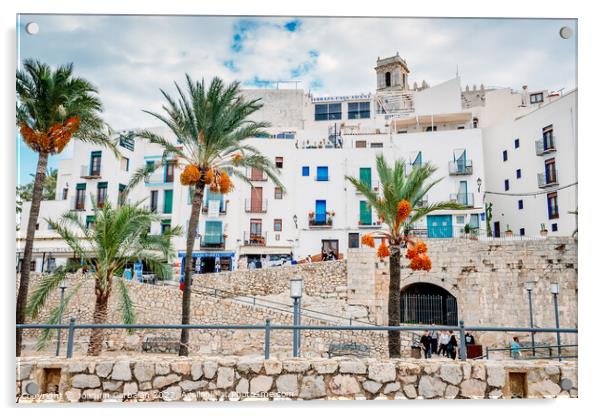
316,142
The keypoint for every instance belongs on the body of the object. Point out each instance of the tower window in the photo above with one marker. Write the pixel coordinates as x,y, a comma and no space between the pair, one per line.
506,185
387,79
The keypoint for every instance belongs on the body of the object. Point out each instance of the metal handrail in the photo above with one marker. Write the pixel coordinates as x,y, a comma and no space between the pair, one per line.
268,327
532,348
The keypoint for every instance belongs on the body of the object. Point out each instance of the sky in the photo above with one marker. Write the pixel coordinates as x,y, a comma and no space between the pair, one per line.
130,58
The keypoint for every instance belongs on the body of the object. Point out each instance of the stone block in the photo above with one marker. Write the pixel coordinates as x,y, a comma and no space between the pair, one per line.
225,377
382,372
312,387
325,366
84,381
295,365
162,381
261,384
344,385
451,373
104,369
391,387
243,386
473,389
272,366
431,387
288,385
189,385
371,386
496,376
352,367
144,371
196,370
122,371
209,369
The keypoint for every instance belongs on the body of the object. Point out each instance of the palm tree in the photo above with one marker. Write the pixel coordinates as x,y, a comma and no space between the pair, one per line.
399,206
116,238
210,124
52,107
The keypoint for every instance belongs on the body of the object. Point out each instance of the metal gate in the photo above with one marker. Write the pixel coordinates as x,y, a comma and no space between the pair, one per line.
428,309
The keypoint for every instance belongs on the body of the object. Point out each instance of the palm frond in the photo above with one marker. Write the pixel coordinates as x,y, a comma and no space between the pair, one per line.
126,306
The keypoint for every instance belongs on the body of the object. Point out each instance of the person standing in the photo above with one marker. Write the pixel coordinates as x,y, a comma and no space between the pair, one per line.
469,339
451,345
443,341
425,340
433,335
515,348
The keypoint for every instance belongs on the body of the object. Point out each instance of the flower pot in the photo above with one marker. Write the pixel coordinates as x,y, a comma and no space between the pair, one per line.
508,233
543,233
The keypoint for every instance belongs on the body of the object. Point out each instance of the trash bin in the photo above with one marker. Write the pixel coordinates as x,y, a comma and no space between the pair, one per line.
416,352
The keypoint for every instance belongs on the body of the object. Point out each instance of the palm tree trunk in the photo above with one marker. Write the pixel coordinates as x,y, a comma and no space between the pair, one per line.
100,317
34,212
193,222
394,306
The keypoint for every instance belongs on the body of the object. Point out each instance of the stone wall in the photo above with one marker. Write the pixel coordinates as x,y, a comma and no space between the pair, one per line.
252,378
488,280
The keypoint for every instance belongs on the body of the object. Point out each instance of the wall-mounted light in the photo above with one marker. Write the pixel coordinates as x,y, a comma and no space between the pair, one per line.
479,183
295,220
554,287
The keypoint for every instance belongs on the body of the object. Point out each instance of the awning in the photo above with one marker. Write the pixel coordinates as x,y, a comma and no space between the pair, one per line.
208,254
427,120
246,250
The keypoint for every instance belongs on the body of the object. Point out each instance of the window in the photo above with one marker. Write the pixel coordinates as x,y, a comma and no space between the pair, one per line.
475,123
460,219
554,226
120,195
305,171
365,213
90,220
506,184
366,176
101,197
518,174
354,240
32,266
553,206
126,140
505,155
358,110
150,166
548,137
167,201
95,159
279,162
360,144
536,98
165,226
277,192
80,196
520,204
65,193
154,201
431,128
387,79
257,174
322,173
376,145
521,231
516,143
460,128
213,232
330,111
278,225
125,164
550,172
37,226
169,171
255,229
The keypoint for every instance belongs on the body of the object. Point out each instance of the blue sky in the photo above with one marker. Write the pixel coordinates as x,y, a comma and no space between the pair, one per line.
130,57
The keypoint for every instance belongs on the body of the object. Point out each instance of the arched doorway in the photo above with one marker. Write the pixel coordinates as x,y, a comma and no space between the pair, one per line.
425,303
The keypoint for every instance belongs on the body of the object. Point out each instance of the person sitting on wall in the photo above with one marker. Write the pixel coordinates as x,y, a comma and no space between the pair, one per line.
324,255
451,345
469,339
308,258
425,340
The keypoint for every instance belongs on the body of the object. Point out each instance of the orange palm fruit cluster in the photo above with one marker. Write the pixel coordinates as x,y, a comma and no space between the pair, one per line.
225,184
52,141
368,240
236,158
190,176
383,250
419,260
403,210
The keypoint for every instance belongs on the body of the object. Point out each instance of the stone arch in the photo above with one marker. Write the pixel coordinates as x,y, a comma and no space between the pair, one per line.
426,278
423,302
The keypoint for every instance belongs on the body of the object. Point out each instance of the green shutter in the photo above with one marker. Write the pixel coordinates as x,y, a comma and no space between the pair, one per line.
90,219
97,153
168,202
80,186
215,196
366,176
213,232
150,166
103,185
365,213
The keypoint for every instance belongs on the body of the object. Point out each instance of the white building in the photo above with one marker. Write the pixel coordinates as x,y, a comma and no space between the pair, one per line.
315,142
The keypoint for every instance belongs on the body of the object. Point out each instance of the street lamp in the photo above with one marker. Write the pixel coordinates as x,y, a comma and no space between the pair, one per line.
295,218
296,293
479,183
554,288
63,286
530,286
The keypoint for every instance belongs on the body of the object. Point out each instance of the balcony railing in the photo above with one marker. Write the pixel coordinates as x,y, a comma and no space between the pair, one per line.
465,199
213,241
320,221
372,224
543,147
223,208
87,173
256,206
547,179
155,178
77,204
254,239
422,203
460,168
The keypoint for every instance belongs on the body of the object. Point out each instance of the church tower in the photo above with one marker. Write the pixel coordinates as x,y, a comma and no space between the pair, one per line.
391,74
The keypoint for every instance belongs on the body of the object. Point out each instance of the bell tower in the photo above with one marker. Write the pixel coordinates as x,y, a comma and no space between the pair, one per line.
391,74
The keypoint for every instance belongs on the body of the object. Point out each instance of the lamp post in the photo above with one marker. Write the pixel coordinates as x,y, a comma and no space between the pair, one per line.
63,286
529,286
296,293
554,287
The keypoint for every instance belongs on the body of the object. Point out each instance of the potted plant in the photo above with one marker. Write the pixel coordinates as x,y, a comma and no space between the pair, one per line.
466,229
508,232
311,215
543,231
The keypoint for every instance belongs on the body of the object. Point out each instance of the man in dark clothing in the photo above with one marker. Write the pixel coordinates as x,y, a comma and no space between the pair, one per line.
425,340
469,339
451,345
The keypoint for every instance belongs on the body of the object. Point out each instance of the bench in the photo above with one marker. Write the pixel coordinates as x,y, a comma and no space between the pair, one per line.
160,344
349,348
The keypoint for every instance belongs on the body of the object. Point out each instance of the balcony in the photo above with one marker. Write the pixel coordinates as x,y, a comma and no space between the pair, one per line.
422,203
547,179
256,206
217,241
87,173
324,221
77,204
254,239
465,199
155,178
545,146
223,208
372,224
457,168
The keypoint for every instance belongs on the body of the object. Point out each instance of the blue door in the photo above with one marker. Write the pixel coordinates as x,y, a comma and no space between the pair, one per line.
320,212
439,226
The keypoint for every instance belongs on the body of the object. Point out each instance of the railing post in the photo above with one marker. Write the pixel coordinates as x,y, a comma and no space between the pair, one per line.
487,352
267,339
70,337
462,342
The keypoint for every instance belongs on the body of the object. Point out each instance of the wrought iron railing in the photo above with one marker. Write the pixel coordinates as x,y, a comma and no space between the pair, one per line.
466,199
254,239
320,221
543,147
548,178
460,167
256,206
90,173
